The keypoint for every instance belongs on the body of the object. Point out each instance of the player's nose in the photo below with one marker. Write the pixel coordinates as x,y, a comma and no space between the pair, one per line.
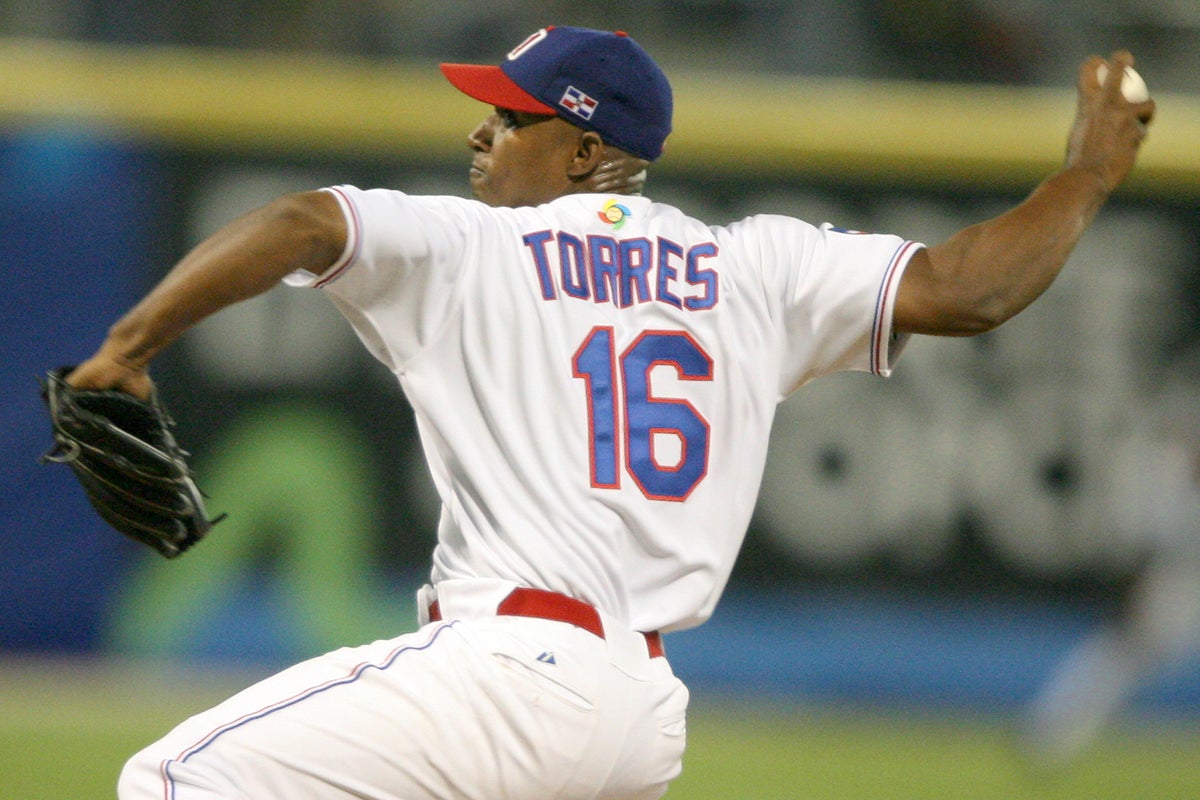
481,137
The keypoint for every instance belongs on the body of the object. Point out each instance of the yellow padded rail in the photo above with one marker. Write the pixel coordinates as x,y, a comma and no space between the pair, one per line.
910,133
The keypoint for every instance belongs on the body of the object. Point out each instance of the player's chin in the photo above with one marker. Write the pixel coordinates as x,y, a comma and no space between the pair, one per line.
496,194
485,194
480,189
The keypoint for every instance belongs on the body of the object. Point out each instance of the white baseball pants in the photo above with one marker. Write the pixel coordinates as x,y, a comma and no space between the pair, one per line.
473,707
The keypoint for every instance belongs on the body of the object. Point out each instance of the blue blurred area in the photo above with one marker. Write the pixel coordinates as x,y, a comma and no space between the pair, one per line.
906,649
77,223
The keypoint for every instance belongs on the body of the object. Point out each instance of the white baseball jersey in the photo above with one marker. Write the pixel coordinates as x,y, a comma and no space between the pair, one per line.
594,382
594,379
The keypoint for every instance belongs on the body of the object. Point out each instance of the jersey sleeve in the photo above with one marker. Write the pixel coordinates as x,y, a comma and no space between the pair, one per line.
839,291
396,281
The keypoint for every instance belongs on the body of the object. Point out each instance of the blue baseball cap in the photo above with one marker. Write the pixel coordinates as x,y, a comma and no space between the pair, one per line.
596,80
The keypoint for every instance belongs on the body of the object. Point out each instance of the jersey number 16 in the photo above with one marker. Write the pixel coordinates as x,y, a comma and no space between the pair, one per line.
618,389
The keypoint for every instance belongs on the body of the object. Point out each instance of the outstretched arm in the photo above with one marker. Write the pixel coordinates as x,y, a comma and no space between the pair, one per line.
244,259
986,273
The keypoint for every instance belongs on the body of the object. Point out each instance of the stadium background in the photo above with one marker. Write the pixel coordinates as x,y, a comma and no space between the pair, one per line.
929,545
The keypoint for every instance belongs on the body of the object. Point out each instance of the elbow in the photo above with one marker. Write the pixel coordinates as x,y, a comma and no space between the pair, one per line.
958,315
984,314
940,311
981,317
992,311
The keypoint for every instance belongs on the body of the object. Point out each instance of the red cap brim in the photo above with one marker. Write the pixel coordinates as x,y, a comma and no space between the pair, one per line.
490,85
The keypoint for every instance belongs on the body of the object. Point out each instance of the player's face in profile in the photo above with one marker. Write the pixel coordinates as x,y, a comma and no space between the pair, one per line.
521,159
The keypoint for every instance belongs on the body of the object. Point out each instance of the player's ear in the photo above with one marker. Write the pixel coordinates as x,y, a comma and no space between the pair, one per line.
589,153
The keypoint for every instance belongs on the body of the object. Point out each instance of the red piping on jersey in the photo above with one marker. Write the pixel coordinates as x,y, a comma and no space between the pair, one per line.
881,336
353,241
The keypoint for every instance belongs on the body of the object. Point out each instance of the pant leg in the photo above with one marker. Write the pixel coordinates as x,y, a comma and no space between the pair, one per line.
456,710
304,732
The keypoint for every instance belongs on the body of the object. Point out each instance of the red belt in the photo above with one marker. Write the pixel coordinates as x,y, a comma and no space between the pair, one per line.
541,604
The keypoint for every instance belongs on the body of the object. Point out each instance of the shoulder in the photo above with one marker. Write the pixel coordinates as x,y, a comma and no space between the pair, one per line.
396,201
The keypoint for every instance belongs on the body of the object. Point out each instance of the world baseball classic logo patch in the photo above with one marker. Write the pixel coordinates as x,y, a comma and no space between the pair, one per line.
578,103
614,214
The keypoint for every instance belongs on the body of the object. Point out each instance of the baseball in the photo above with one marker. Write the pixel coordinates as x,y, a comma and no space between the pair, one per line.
1132,85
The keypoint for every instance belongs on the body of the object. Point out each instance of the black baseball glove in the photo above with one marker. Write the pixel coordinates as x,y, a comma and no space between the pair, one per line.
132,470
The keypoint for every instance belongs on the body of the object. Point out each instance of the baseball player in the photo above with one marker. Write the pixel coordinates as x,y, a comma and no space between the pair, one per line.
594,376
1156,625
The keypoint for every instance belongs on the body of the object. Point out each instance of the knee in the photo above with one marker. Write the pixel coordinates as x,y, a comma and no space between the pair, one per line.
158,771
142,777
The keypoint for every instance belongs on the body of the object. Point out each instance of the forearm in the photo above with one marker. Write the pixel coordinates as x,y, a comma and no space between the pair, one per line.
242,260
985,274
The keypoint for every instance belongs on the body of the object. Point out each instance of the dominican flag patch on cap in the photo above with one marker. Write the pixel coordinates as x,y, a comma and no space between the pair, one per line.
578,103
